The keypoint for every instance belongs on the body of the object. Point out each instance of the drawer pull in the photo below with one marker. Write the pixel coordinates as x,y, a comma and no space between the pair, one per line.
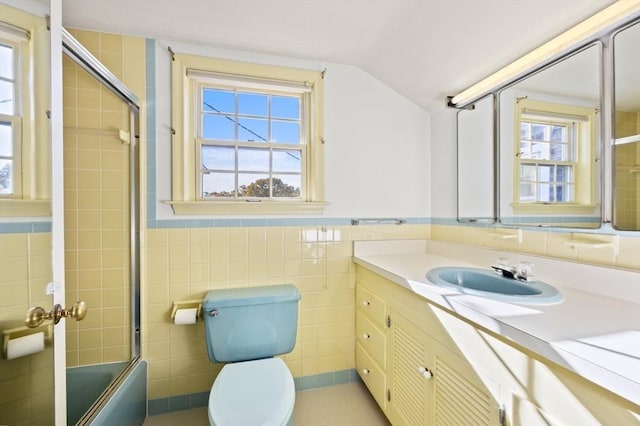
366,336
365,303
365,371
425,372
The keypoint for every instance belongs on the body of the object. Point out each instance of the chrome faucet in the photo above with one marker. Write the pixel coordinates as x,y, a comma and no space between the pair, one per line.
523,272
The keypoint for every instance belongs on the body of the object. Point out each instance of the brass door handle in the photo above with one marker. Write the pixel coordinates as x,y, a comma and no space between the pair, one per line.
36,315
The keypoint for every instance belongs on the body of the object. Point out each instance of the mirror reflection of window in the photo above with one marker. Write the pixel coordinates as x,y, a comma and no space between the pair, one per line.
10,120
554,161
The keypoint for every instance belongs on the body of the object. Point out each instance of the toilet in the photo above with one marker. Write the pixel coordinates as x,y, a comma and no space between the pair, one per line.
246,328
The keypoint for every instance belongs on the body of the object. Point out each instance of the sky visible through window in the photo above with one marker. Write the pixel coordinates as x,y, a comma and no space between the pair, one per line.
253,136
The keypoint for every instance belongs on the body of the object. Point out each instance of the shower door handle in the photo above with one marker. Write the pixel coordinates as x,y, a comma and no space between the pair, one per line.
36,315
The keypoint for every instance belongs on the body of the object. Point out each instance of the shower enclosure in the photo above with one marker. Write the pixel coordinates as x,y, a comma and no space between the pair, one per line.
101,226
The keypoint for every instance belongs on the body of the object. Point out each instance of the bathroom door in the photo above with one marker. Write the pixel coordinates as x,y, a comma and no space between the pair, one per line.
30,388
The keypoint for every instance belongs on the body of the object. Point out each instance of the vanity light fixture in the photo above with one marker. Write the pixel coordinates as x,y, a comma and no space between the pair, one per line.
591,28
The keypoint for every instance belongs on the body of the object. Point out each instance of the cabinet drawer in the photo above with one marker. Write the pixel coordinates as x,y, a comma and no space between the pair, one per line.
371,338
371,375
371,304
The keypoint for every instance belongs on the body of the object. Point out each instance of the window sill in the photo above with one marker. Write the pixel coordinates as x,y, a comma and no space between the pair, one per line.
246,208
25,208
542,208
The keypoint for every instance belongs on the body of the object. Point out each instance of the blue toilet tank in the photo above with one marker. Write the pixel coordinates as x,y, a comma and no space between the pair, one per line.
250,323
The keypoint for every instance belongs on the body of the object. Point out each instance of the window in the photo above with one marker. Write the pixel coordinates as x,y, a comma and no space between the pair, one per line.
10,119
25,90
249,138
555,154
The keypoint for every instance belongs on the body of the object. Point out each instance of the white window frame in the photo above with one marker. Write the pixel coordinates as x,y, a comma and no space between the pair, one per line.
189,74
584,158
15,118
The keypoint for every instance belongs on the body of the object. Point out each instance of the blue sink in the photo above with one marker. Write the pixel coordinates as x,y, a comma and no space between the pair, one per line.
486,283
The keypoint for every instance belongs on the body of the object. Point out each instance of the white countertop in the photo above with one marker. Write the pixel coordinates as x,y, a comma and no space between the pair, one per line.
594,331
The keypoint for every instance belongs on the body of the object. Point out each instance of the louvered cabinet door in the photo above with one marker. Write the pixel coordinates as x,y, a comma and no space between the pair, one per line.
460,395
410,388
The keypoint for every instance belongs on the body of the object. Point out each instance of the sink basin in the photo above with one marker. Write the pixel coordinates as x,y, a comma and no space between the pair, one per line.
486,283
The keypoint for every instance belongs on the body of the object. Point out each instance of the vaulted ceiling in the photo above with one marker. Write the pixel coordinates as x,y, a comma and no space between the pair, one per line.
423,49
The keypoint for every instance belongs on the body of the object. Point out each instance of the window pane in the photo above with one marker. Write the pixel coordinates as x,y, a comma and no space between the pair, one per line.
545,173
218,127
527,192
559,152
254,160
564,174
564,193
545,192
287,186
253,104
287,161
285,107
6,177
218,100
540,151
6,140
6,98
253,130
527,173
217,185
558,134
6,62
525,130
285,132
538,132
218,157
253,185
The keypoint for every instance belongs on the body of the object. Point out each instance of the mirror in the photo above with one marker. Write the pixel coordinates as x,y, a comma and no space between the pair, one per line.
476,165
626,130
550,144
26,361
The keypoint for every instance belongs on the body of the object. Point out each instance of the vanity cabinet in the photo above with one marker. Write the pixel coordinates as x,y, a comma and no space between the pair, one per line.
425,365
412,375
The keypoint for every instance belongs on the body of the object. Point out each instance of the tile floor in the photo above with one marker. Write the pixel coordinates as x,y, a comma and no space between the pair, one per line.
345,405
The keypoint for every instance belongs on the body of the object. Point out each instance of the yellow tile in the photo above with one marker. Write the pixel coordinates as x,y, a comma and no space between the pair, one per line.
158,388
115,239
219,237
88,179
89,279
114,198
198,238
112,181
238,237
14,245
238,253
113,120
88,159
88,119
90,356
335,363
219,272
114,317
238,271
113,61
90,339
257,271
257,251
88,99
89,239
70,118
115,277
113,297
199,383
179,385
39,267
276,270
110,102
13,269
157,238
134,46
556,246
178,256
90,259
89,39
628,253
178,237
199,272
157,256
156,351
178,274
113,43
116,353
88,199
114,219
114,336
15,293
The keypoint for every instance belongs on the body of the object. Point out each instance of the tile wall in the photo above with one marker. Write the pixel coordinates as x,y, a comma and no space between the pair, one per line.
183,264
26,383
96,180
627,161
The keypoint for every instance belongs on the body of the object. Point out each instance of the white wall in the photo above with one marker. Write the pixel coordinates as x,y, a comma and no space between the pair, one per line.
377,142
443,164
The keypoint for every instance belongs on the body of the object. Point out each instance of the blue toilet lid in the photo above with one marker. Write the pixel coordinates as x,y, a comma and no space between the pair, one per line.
252,393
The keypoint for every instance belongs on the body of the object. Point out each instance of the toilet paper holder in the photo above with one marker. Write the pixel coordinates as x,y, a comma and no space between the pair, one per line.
188,304
16,333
